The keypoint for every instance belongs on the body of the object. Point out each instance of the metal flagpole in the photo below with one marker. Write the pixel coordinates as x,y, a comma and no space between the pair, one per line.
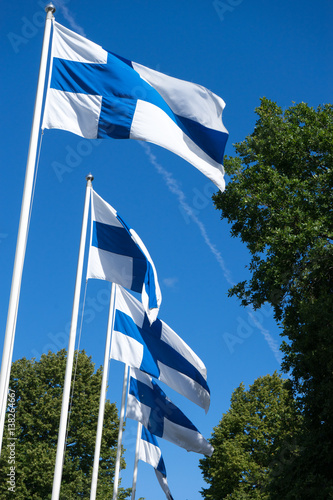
137,447
22,236
102,396
120,435
71,347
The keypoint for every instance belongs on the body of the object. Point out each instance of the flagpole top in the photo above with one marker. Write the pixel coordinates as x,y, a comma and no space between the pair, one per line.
50,8
90,178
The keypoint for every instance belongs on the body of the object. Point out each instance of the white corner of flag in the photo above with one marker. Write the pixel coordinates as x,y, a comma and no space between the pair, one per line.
117,254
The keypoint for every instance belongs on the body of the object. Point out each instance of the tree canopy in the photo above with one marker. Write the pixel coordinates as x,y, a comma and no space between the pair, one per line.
252,441
35,399
279,202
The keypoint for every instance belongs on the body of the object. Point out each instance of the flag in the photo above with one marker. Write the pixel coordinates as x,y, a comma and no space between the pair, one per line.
148,404
157,350
150,452
97,94
117,254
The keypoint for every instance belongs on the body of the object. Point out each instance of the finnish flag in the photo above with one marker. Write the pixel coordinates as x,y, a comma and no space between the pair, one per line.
148,404
117,254
97,94
150,452
157,350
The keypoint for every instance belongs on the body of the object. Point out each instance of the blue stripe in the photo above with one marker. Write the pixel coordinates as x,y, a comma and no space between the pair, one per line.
211,141
150,286
120,87
161,466
115,118
156,349
146,396
126,226
117,240
123,59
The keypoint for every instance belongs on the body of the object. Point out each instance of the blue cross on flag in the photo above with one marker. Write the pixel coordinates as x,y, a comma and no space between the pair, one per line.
157,350
148,404
97,94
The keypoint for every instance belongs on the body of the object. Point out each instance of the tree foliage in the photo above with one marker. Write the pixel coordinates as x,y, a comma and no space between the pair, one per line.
36,388
279,202
252,441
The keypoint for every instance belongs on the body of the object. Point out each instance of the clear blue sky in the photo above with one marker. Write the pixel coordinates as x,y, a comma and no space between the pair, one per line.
241,50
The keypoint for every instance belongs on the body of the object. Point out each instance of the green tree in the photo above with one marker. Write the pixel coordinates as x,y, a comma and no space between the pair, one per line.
279,202
252,441
36,388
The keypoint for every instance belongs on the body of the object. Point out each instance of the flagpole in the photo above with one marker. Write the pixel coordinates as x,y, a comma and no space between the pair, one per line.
102,396
136,460
71,348
120,435
22,236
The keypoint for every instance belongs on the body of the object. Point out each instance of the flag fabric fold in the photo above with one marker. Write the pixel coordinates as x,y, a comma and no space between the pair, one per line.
97,94
157,350
150,452
117,254
148,404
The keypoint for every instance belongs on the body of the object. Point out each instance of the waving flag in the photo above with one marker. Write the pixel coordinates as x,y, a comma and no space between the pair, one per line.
157,350
117,254
150,452
148,404
96,94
